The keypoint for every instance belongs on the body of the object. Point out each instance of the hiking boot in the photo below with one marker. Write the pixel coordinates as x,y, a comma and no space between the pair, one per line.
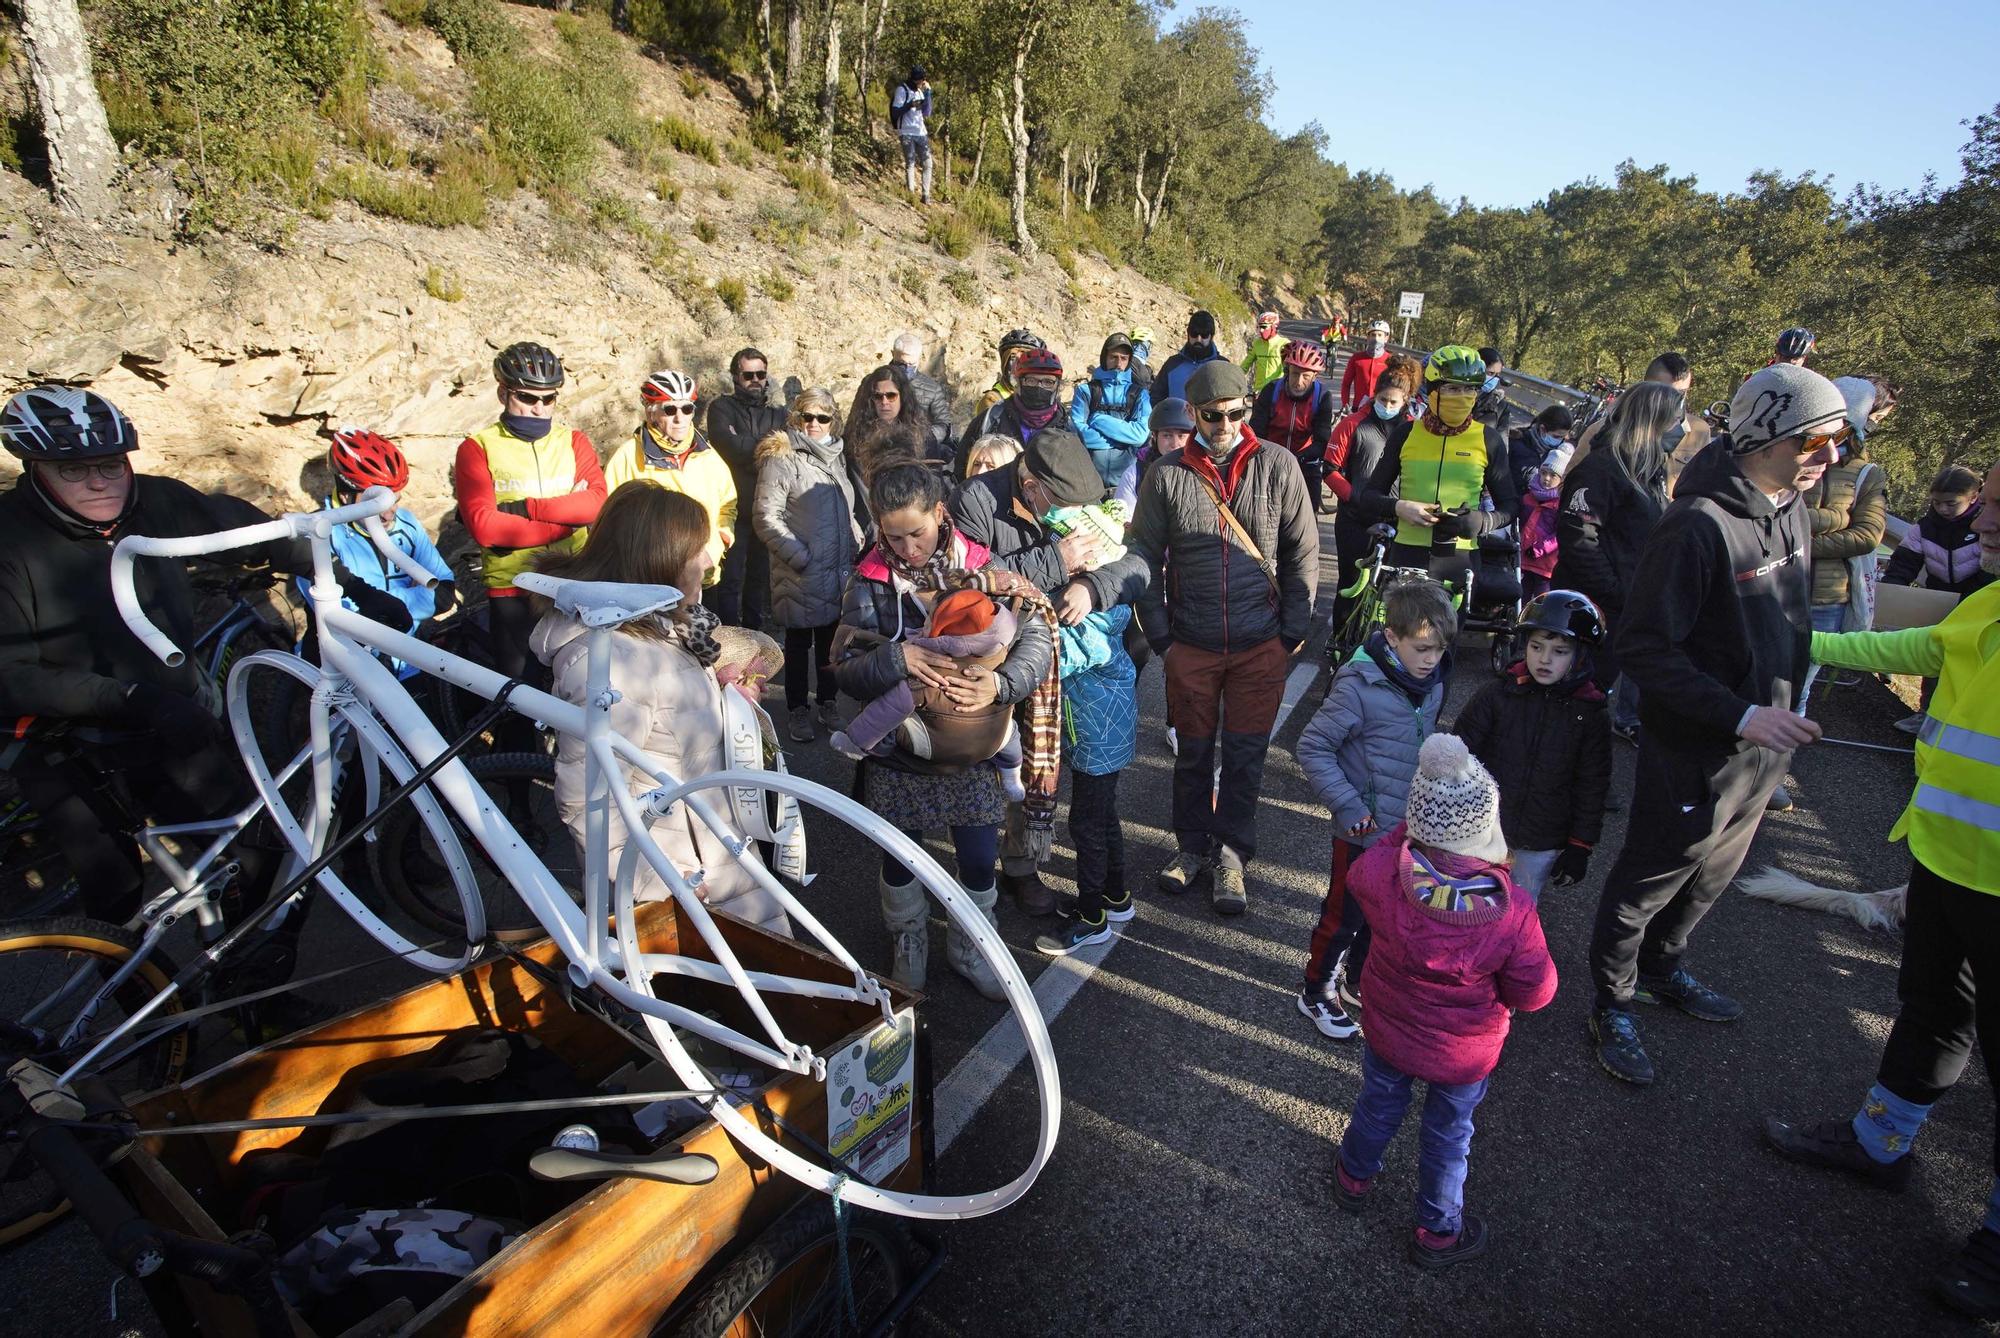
1327,1015
1349,1193
1226,893
1072,934
1616,1032
1780,801
1034,897
1069,906
800,724
964,954
1970,1283
1184,872
906,915
1832,1144
1689,995
1430,1250
828,716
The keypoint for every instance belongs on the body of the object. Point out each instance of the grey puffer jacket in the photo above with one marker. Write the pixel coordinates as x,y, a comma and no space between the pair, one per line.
1205,588
804,513
1360,750
989,511
935,401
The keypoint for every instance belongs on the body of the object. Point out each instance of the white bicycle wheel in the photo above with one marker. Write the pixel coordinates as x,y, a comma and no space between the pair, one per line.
958,906
376,747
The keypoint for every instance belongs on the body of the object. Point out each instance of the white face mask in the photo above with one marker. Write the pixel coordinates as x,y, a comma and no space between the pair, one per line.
1377,345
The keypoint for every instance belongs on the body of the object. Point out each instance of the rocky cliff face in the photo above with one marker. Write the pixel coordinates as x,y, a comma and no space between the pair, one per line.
234,360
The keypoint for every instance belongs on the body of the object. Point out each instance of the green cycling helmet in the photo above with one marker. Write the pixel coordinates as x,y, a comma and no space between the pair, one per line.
1457,364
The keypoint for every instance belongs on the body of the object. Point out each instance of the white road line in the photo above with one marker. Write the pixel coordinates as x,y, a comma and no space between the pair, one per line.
975,1078
1296,683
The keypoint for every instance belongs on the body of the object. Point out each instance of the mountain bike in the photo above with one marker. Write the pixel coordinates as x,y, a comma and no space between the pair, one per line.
1375,578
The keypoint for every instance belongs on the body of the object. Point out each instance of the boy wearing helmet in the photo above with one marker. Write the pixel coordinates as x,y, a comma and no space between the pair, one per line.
1544,733
1264,363
1296,412
360,460
1357,383
669,451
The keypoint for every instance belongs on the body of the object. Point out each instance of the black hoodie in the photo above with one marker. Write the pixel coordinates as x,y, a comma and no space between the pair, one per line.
1717,617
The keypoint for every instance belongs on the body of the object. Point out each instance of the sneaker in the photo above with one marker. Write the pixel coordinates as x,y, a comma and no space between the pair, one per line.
1629,733
1910,724
1780,801
828,716
1326,1014
1035,897
1349,1193
1689,995
1429,1250
1226,893
1616,1032
1970,1283
1117,912
1072,934
1184,872
800,724
1349,995
1833,1144
1173,741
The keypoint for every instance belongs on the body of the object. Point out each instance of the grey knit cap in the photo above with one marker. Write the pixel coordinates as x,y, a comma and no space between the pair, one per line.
1781,401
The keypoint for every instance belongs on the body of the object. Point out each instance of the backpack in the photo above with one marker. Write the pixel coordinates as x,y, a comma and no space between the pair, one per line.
1128,410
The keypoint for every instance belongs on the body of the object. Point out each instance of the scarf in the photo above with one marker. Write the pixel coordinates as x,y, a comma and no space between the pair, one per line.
692,628
1034,420
1435,425
1039,718
659,452
1416,689
1445,881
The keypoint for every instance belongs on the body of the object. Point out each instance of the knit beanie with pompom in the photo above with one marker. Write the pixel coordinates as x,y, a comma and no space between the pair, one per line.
1454,804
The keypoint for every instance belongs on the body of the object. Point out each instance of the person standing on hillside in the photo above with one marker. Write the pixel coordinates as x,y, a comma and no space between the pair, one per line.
527,484
1199,349
932,398
1357,383
1226,529
1716,634
736,423
1264,363
909,115
668,451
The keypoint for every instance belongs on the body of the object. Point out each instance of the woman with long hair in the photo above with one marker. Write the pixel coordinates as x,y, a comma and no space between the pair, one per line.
884,403
805,513
1610,504
668,700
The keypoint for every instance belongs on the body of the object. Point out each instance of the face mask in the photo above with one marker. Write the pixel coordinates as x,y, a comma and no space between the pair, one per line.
1378,345
1452,412
1385,413
1551,440
1489,384
525,426
819,436
1035,397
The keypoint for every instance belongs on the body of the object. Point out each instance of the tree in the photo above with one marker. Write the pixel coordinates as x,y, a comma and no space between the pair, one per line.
829,89
83,158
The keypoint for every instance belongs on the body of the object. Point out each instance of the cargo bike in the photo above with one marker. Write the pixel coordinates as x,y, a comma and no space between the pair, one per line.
689,1124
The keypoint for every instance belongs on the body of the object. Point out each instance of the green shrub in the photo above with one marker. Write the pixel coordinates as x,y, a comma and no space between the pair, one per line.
987,211
740,151
963,284
1066,261
777,287
453,195
473,29
725,189
764,134
811,183
692,85
950,233
688,137
615,211
539,124
443,285
704,232
405,13
668,190
732,293
912,279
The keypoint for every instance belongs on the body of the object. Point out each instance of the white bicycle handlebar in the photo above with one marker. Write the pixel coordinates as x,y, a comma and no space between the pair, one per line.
367,512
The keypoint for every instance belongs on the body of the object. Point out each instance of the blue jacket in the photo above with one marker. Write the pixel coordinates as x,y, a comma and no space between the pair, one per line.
1097,410
1360,751
1100,704
354,550
1173,377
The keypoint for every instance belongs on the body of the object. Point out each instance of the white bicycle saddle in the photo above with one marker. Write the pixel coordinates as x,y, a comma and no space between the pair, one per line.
601,603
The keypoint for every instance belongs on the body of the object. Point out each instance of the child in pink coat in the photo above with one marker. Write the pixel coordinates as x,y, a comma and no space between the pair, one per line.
1538,521
1457,950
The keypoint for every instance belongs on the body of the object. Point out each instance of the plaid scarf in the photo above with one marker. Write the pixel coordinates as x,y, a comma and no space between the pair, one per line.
1039,718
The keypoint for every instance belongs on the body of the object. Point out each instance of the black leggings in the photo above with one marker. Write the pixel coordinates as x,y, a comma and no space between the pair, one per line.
1099,839
510,621
807,650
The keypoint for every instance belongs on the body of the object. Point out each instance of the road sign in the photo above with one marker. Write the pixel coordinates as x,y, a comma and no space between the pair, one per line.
1410,305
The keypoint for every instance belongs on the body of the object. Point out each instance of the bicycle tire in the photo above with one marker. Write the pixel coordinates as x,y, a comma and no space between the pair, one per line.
71,941
407,867
880,1257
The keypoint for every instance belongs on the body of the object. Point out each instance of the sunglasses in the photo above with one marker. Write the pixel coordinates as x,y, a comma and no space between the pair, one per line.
888,395
815,418
528,397
1218,415
110,471
1816,442
759,375
676,410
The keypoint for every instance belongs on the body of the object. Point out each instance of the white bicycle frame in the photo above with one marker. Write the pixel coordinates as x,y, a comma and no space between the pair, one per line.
352,682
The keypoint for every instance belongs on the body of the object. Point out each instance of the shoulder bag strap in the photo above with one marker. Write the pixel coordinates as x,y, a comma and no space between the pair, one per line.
1236,528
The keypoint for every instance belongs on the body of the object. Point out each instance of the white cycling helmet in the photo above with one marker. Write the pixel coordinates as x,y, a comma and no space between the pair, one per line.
668,388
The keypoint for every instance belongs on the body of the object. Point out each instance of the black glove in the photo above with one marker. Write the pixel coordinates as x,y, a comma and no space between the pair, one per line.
515,508
376,605
1570,866
181,723
1451,526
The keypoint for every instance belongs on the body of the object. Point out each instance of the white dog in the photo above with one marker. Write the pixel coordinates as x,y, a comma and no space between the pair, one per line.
1870,910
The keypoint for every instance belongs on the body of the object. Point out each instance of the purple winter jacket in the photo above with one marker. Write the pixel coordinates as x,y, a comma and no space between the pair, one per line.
1439,983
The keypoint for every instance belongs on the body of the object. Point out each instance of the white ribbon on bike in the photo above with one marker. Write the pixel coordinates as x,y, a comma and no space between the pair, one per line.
752,738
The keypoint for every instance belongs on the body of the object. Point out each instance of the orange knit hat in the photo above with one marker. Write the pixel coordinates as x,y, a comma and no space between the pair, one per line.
962,613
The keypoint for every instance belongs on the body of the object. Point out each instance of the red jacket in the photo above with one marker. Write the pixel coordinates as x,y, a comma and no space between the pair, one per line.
1439,982
1357,383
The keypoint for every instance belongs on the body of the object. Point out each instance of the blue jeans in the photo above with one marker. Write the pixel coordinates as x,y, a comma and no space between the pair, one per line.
975,849
1444,1140
1825,618
1531,871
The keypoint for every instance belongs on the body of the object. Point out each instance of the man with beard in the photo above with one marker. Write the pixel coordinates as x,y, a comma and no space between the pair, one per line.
736,423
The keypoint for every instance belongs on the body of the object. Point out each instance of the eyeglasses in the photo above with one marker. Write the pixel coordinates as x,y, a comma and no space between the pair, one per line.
108,470
675,410
528,397
747,375
1217,415
815,418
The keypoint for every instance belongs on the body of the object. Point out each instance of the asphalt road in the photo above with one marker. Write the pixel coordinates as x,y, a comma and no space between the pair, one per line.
1190,1191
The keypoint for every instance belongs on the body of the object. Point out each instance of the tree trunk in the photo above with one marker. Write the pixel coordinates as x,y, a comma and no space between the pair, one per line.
1065,181
829,90
1139,191
83,158
795,41
864,65
979,152
1153,211
1093,157
768,102
1017,130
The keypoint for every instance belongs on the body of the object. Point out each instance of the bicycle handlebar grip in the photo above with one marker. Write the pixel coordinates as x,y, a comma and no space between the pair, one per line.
134,1244
126,597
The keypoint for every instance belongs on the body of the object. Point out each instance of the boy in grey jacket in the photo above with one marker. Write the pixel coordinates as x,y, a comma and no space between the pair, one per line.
1360,753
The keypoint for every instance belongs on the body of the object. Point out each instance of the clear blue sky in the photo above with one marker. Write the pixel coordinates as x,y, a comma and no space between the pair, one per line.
1869,92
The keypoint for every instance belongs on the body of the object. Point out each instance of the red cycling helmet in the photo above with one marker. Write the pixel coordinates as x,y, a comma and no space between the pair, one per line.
362,459
1038,362
1304,353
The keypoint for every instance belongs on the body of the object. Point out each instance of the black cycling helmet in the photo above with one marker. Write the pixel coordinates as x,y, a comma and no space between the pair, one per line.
1014,339
527,366
1566,613
65,423
1795,342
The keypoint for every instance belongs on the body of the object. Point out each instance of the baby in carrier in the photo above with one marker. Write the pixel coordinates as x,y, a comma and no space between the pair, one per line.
921,721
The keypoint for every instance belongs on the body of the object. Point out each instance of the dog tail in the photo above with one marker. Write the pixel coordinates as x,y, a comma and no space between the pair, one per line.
1870,910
